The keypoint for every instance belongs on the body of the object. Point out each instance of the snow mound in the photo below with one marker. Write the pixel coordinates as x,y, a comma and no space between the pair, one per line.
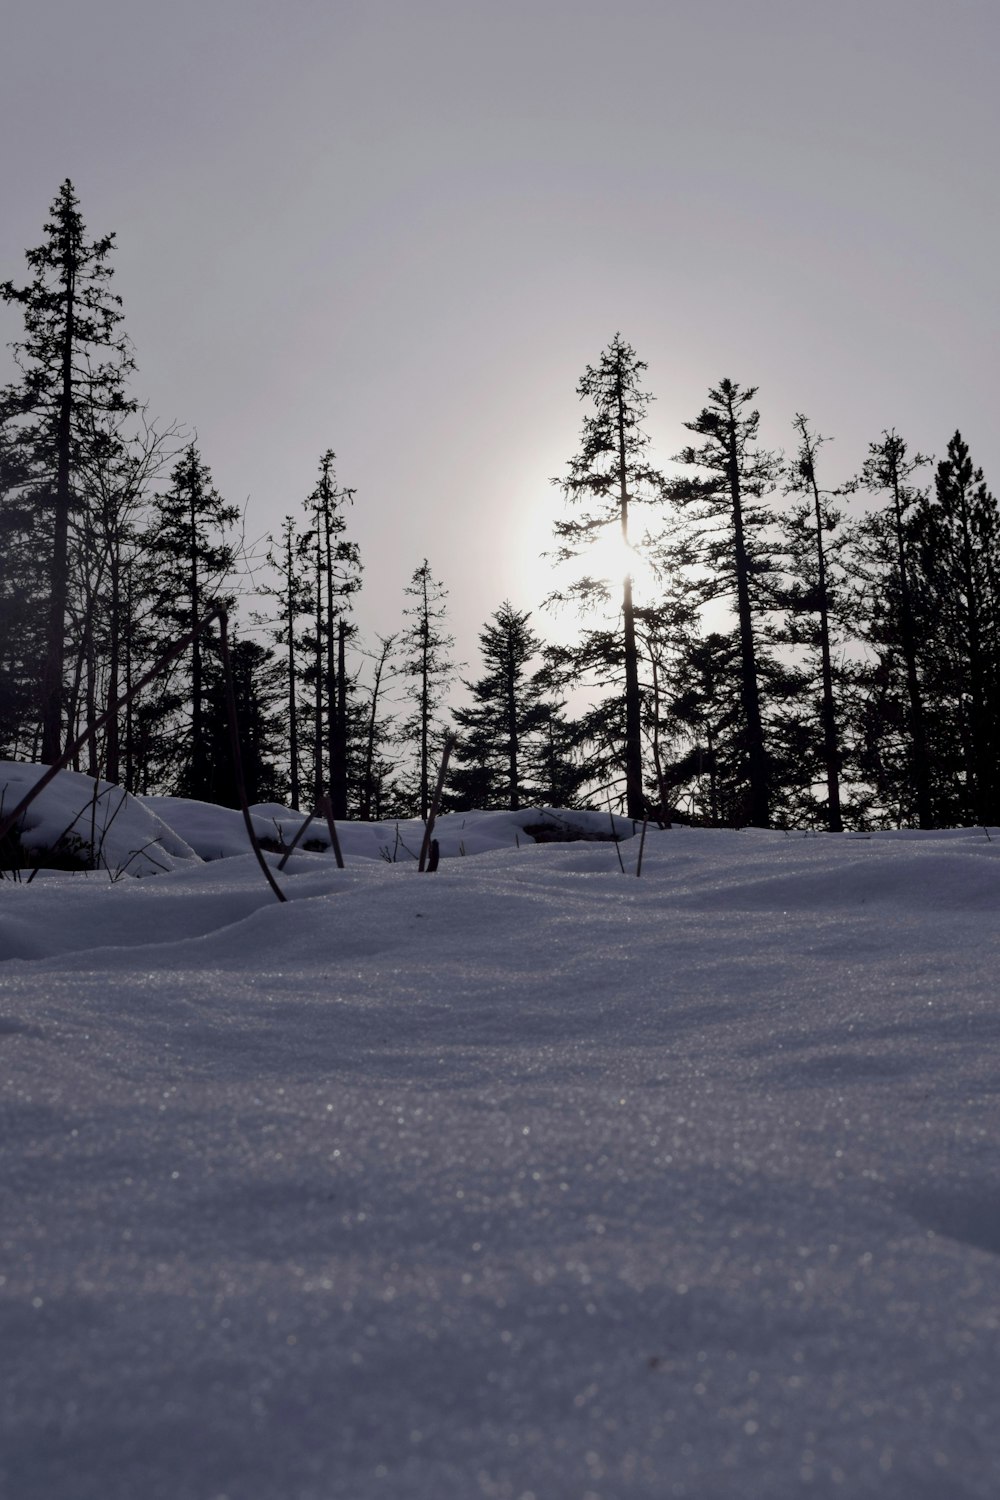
219,832
95,821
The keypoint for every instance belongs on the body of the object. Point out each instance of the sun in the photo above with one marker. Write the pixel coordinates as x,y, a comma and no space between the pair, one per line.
610,556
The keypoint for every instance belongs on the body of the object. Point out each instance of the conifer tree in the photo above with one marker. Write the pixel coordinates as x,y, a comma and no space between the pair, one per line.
257,691
887,564
809,599
196,555
376,733
428,666
497,734
706,770
608,478
74,361
335,567
956,534
287,559
726,506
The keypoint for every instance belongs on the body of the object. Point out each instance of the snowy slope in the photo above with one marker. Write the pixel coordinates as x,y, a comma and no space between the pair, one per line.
95,819
523,1179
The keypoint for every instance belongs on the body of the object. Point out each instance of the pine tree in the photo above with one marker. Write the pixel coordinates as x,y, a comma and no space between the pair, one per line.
706,772
74,362
427,664
956,538
886,564
726,506
335,565
809,599
257,690
497,734
556,762
609,476
287,559
376,734
196,555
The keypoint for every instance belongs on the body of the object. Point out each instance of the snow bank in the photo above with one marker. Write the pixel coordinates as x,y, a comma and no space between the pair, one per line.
219,832
96,820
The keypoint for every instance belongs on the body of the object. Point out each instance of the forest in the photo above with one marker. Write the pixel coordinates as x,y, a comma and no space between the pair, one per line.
801,653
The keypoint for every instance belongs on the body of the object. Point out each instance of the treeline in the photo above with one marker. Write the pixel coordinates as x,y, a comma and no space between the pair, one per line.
855,679
748,652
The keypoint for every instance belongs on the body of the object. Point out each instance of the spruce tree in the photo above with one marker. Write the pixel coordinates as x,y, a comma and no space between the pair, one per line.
508,714
887,567
427,664
706,768
809,598
257,691
335,568
609,476
74,361
375,772
956,535
196,555
287,558
726,506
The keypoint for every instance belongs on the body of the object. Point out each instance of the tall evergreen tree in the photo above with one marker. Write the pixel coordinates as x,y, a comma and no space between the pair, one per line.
726,505
375,769
196,555
809,598
335,566
886,564
608,477
257,691
74,361
705,768
427,664
498,733
287,559
956,534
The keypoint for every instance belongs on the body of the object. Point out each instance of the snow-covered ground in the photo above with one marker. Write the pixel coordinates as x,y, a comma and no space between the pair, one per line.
526,1179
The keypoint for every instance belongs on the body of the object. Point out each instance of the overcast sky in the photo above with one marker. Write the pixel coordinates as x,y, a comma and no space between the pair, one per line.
402,228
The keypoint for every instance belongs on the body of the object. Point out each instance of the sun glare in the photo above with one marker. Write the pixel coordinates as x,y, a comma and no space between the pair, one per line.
614,559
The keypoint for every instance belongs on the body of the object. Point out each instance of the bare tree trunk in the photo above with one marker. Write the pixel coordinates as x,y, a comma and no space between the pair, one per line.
918,734
338,775
831,745
293,721
368,775
635,801
112,741
55,635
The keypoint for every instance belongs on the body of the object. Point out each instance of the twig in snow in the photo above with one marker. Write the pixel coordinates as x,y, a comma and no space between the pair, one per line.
299,835
614,836
642,845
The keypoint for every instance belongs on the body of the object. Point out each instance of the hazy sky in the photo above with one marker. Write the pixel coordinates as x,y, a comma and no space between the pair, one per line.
401,230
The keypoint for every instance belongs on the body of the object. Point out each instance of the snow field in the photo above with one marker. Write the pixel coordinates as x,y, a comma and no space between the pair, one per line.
524,1179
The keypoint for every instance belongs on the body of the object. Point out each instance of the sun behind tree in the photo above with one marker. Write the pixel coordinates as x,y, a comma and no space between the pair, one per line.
611,474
